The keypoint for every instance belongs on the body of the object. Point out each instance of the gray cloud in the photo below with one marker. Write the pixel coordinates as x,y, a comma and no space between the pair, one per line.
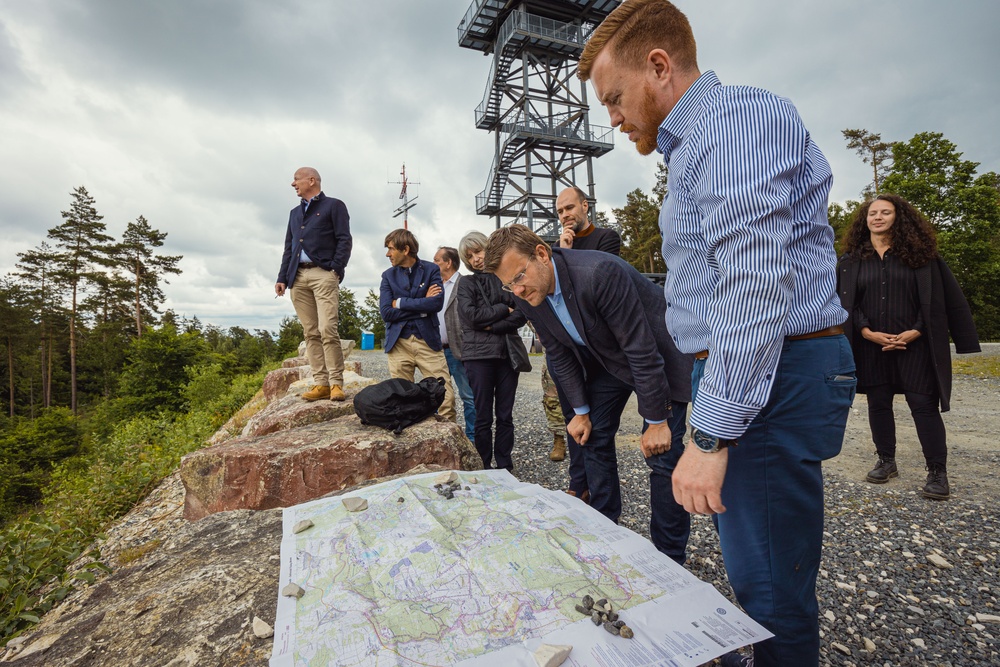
195,115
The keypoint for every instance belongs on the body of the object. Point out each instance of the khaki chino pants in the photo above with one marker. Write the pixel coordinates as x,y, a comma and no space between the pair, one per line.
413,352
316,296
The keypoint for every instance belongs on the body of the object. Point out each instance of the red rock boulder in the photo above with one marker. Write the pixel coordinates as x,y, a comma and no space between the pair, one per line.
297,465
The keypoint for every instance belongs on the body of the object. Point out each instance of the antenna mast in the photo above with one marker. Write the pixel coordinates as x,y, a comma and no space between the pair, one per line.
407,202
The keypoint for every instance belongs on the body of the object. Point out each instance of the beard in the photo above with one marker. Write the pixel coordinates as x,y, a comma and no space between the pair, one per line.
650,118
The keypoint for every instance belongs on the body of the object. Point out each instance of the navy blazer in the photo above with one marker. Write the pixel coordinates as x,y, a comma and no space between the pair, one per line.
324,232
619,314
414,304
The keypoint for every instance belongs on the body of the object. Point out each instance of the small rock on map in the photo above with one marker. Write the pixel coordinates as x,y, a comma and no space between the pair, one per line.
552,655
355,504
302,526
293,590
446,477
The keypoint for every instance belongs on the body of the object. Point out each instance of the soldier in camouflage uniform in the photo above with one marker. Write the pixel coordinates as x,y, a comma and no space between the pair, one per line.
553,415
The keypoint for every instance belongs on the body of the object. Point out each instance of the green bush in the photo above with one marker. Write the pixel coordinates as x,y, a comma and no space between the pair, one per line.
88,491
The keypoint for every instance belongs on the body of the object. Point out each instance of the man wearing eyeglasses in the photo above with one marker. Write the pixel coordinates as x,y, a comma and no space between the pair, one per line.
602,325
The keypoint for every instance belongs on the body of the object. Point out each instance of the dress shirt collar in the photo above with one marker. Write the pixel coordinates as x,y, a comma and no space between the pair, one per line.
556,296
678,122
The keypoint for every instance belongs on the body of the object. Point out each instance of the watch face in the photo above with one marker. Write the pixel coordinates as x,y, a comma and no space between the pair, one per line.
704,441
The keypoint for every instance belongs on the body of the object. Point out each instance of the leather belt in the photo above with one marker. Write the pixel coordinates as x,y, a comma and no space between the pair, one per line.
822,333
308,265
444,346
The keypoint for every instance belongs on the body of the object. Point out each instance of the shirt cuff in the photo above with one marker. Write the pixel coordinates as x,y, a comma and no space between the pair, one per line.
582,410
655,421
721,418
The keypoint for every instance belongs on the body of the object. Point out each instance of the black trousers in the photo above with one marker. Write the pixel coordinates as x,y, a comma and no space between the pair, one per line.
926,417
493,383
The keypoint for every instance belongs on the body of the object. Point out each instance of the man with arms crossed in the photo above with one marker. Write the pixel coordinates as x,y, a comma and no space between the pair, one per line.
451,334
751,289
410,296
601,323
317,248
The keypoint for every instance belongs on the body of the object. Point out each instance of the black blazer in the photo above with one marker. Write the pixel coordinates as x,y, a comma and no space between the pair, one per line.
943,309
325,234
620,317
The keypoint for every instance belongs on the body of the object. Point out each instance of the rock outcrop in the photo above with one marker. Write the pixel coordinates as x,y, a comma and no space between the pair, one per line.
186,597
301,464
186,593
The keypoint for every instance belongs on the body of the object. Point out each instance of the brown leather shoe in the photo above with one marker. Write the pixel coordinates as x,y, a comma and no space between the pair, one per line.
585,496
337,393
558,452
317,393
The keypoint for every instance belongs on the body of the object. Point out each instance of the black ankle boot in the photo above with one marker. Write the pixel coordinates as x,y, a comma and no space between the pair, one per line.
883,471
937,482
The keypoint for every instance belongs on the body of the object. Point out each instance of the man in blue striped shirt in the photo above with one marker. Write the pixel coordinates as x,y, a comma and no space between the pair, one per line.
751,292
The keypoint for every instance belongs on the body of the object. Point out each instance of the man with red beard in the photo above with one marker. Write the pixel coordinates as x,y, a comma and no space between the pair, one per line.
751,292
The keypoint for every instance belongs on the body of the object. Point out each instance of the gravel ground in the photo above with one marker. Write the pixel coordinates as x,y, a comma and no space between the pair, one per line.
904,580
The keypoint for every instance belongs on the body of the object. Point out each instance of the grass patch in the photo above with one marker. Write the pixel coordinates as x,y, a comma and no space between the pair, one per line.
981,366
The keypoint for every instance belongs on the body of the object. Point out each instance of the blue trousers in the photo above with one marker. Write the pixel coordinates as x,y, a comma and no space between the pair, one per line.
670,524
457,370
772,530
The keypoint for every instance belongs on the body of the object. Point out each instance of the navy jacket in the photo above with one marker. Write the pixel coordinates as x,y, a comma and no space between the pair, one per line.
620,316
325,234
410,287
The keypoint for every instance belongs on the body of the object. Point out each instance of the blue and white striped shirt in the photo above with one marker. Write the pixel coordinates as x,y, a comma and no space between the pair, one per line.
746,240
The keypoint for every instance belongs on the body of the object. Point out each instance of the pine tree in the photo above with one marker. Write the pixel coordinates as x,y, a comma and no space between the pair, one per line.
36,268
147,268
872,150
82,246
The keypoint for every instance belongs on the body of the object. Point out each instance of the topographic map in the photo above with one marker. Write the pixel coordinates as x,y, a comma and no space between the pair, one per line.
421,579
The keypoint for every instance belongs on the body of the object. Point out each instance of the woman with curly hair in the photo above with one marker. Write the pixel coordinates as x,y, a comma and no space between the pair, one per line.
902,302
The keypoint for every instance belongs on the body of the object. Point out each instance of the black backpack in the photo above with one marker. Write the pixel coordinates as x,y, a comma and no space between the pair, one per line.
396,403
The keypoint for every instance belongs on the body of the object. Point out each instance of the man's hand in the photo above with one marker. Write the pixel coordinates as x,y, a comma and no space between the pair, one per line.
698,480
579,428
279,289
656,439
433,290
567,236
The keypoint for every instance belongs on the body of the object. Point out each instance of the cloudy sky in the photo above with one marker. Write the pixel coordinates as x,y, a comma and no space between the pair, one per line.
195,114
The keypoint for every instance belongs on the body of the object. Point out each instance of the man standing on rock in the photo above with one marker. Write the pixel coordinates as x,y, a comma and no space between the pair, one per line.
410,296
751,291
317,249
451,334
602,325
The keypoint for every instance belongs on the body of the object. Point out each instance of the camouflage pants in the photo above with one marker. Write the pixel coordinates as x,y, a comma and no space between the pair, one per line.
550,401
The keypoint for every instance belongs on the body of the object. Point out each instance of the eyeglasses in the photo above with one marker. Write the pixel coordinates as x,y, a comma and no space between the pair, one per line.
516,280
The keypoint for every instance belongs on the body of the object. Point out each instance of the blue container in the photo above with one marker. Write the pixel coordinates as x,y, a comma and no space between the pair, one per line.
367,340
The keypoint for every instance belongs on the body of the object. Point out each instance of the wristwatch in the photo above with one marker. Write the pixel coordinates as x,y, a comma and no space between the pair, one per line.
709,443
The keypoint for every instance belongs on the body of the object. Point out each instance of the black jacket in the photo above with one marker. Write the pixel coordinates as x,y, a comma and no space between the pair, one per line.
620,316
483,303
943,309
